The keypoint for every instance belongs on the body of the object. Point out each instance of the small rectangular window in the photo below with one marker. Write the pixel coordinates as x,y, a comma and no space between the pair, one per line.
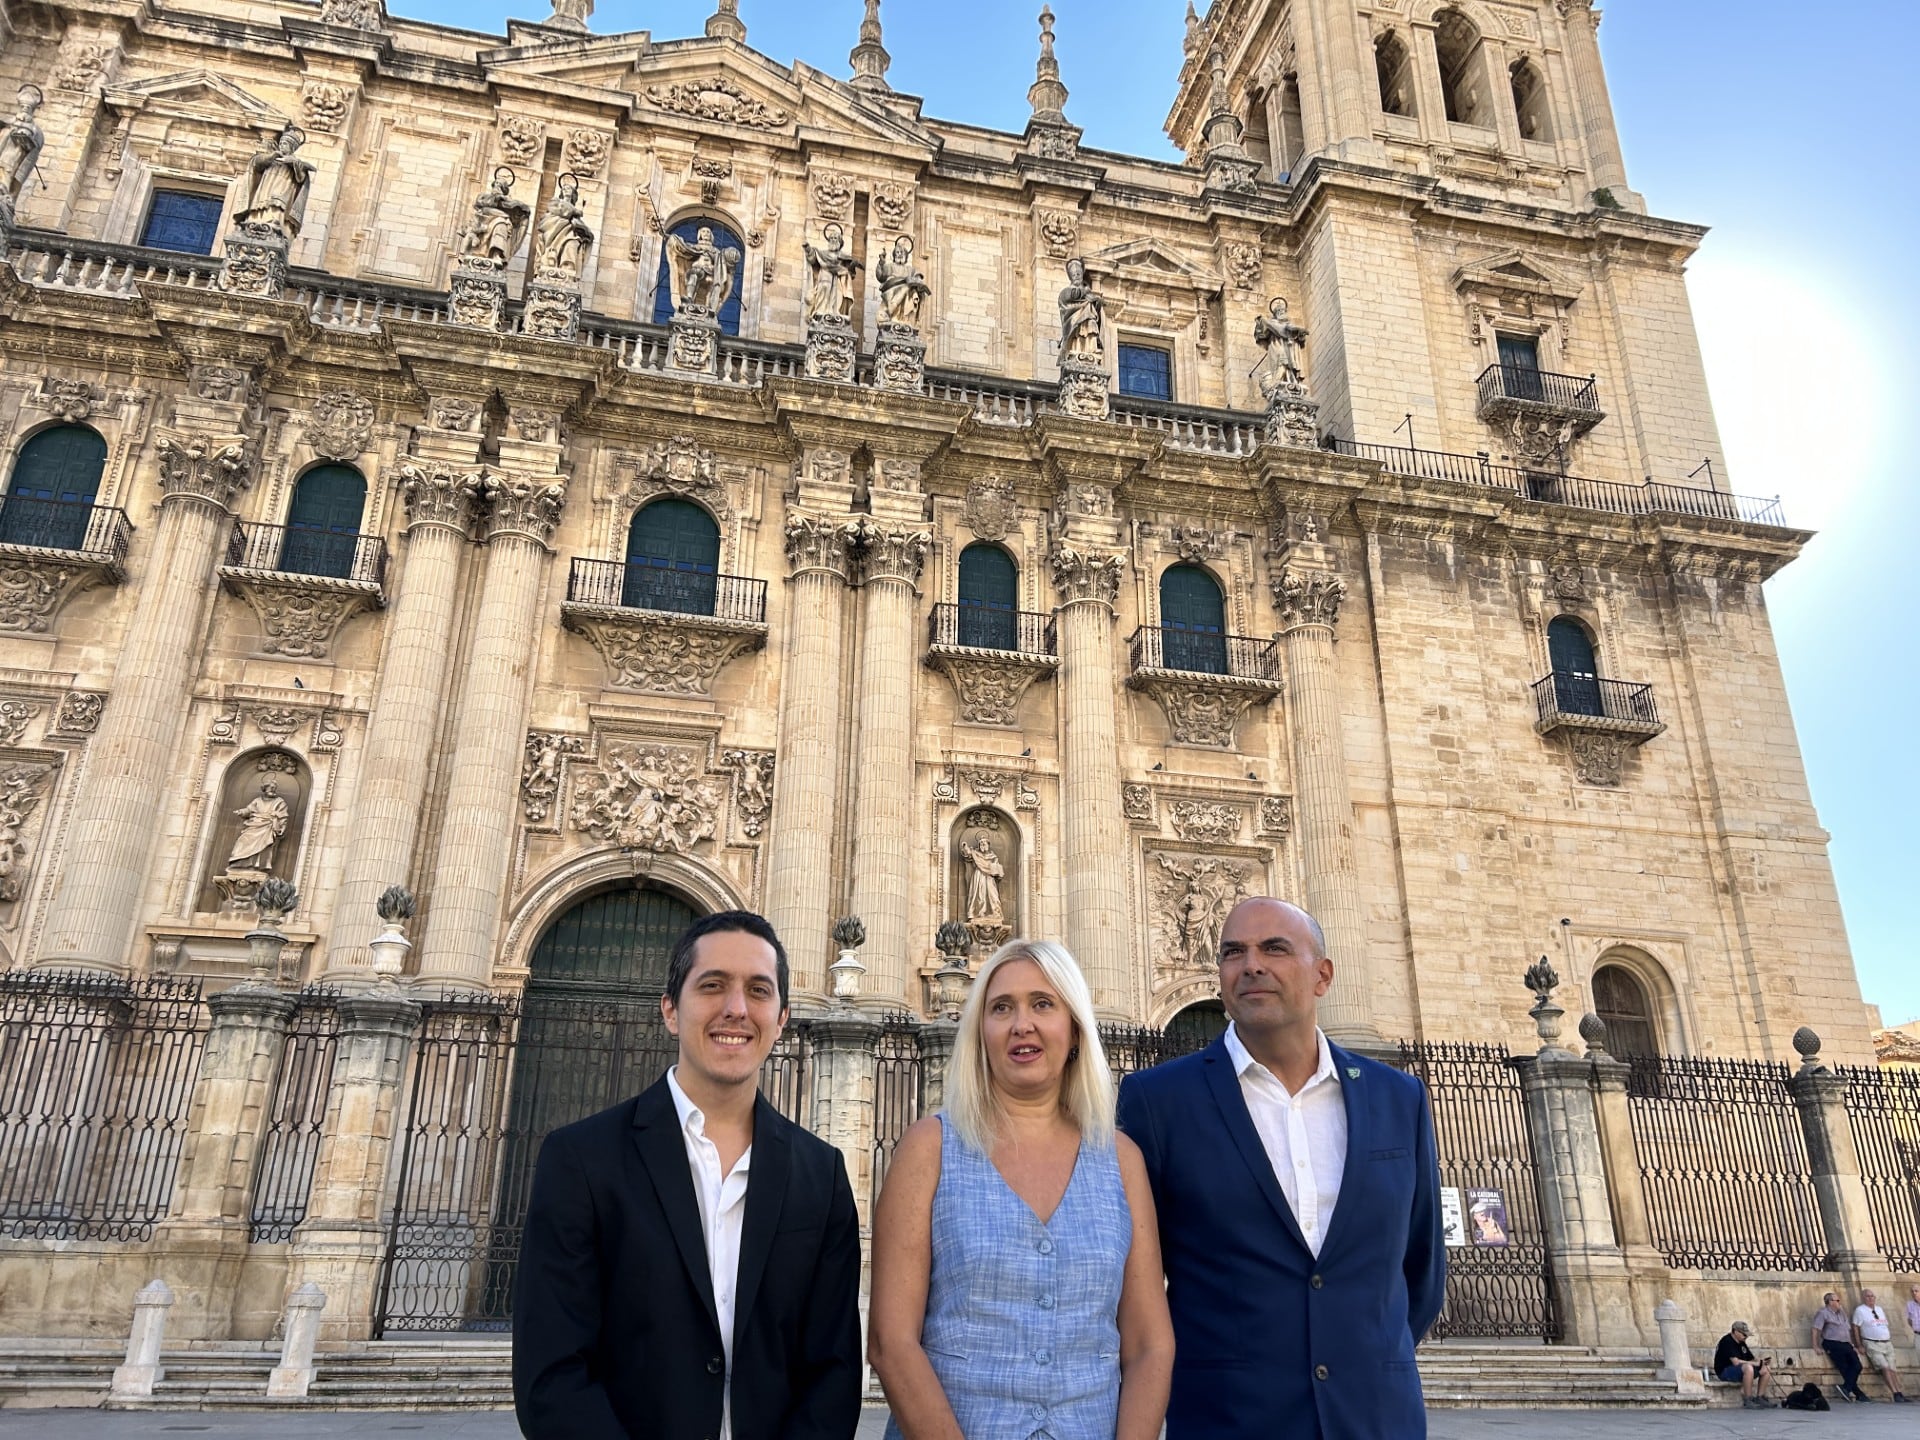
182,220
1146,371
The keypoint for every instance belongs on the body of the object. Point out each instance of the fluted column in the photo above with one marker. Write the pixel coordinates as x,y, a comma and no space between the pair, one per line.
882,835
1093,831
405,723
476,836
1590,89
116,815
800,852
1309,601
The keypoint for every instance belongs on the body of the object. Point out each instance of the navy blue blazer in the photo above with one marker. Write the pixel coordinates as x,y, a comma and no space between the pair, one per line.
1267,1337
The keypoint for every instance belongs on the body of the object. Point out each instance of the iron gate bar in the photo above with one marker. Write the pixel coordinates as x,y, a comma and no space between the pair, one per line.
1883,1108
295,1119
897,1079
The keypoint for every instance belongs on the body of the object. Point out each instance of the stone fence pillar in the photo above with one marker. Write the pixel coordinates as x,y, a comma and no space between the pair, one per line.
1631,1228
1833,1159
293,1376
842,1099
135,1379
1676,1358
936,1056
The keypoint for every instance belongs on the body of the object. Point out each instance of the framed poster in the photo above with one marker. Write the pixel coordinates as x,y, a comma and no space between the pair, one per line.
1453,1217
1487,1219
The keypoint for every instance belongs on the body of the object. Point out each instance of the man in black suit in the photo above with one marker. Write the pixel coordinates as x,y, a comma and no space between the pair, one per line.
691,1266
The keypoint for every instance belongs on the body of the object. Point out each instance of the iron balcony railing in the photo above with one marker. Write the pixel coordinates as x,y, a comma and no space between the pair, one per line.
979,627
639,586
1564,695
300,550
1574,394
1199,652
68,525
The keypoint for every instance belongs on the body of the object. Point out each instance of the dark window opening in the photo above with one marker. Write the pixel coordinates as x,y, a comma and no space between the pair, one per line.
1520,367
1394,62
1462,69
1196,1027
1193,621
56,478
323,522
182,220
673,559
725,239
1146,371
989,598
1530,102
1622,1002
1576,670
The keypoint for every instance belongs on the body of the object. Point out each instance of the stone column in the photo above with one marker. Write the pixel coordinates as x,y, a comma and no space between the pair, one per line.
883,804
842,1059
1308,594
1094,835
405,723
1833,1160
203,465
806,780
339,1246
476,836
1590,88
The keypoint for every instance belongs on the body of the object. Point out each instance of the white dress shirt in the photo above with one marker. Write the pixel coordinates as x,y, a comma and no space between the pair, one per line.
723,1209
1304,1135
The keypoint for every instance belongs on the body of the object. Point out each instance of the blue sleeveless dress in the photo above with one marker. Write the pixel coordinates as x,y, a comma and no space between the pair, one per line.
1022,1318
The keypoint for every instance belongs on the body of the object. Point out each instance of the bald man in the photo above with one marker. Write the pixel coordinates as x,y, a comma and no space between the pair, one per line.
1299,1208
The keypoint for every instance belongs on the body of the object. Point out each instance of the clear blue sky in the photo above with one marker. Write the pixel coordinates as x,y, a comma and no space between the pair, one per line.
1790,139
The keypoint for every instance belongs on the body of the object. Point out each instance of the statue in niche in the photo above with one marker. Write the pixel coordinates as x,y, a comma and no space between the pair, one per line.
20,145
274,202
499,224
703,273
562,238
903,289
1083,317
1282,342
831,292
263,821
984,874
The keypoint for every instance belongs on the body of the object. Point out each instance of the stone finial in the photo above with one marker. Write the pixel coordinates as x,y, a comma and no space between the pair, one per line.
1196,32
1806,1041
849,932
725,22
1543,981
952,939
1593,1033
870,58
275,900
1048,96
396,903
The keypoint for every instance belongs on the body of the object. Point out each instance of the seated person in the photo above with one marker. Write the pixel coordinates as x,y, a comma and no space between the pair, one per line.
1733,1362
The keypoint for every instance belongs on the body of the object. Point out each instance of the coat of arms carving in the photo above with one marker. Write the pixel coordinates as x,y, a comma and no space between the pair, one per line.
991,510
341,426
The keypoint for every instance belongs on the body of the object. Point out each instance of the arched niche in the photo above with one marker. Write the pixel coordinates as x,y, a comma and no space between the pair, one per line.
984,875
1633,993
258,829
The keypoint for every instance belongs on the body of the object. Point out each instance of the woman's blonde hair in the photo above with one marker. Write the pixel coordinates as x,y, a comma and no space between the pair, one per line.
1086,1086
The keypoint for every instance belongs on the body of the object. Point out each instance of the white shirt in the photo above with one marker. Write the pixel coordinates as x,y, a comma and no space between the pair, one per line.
723,1210
1304,1135
1872,1321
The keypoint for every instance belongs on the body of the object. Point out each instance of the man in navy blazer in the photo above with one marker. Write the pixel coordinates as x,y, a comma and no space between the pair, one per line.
1299,1208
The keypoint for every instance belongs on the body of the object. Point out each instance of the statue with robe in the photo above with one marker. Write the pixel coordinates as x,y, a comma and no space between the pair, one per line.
830,292
273,200
984,874
562,238
702,271
263,821
499,223
20,145
903,289
1282,342
1083,320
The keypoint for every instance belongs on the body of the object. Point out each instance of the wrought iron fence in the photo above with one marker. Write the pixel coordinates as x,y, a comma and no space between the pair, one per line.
96,1082
1140,1047
1499,1285
1883,1107
295,1119
1723,1164
897,1090
641,586
307,550
1566,693
788,1070
1245,657
977,627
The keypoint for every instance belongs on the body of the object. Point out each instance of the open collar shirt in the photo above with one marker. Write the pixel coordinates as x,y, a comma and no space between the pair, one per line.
1872,1321
723,1211
1304,1135
1833,1324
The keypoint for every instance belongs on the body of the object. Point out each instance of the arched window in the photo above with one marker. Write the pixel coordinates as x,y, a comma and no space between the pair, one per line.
323,522
673,557
1576,671
1394,62
1193,621
1462,69
989,598
1621,1000
689,231
50,495
1530,102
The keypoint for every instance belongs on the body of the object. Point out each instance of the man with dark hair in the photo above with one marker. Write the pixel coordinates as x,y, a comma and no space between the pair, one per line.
652,1302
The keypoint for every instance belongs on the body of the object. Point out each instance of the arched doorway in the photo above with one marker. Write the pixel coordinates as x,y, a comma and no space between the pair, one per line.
1196,1027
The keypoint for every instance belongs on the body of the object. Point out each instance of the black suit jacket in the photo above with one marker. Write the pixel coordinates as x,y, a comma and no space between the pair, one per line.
615,1334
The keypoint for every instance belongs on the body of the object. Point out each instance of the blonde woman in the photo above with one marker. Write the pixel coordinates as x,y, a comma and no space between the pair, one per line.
1017,1288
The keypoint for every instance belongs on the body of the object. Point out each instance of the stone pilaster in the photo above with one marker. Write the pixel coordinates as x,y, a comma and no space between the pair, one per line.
116,814
476,844
1590,90
1631,1228
1309,596
1833,1160
340,1244
842,1061
883,804
936,1058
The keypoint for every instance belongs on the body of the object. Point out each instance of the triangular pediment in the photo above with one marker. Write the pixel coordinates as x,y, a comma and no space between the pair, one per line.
201,94
1516,272
1146,260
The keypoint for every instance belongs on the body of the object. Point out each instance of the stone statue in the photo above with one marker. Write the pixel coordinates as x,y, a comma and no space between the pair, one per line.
274,201
263,820
20,146
499,223
831,291
983,882
1282,342
702,272
562,238
903,289
1083,319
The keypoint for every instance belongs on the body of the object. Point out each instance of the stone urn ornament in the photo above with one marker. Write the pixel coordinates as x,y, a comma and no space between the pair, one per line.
849,933
389,948
273,901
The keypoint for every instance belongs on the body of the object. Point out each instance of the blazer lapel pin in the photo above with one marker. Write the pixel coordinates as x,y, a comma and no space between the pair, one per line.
1353,1072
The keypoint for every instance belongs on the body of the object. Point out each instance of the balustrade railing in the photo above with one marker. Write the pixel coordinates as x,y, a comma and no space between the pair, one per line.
640,586
1198,652
69,525
1563,694
1186,428
301,550
980,627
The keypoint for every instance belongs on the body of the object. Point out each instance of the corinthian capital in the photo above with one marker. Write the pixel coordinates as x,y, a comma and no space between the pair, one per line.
1087,574
527,505
437,493
817,543
206,467
891,552
1308,597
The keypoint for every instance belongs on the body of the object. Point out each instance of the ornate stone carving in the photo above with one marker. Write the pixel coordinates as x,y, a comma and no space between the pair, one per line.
323,105
1095,501
1599,758
647,797
1537,441
1195,543
1276,816
528,505
522,141
79,712
327,734
80,64
1087,575
891,552
752,789
1206,822
586,150
677,466
991,511
30,595
267,216
832,350
1244,265
817,543
477,298
455,415
540,773
833,195
21,789
1308,597
900,476
1136,804
21,140
225,729
536,427
15,716
437,492
1191,897
225,383
562,239
717,99
299,618
1083,318
1059,231
354,14
1568,581
989,684
215,468
703,273
662,651
340,426
1203,711
277,723
71,400
893,204
710,172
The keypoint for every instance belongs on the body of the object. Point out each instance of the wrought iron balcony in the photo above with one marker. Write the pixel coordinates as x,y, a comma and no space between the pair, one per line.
295,550
97,532
1506,389
976,627
1586,702
1195,652
612,585
1205,683
670,632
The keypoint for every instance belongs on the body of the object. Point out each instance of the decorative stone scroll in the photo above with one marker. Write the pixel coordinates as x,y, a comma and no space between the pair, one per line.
438,493
663,652
989,683
1308,597
991,510
1276,816
819,543
648,797
1087,575
1136,805
79,713
1203,709
717,99
1599,758
340,425
15,716
215,468
1206,822
525,505
300,616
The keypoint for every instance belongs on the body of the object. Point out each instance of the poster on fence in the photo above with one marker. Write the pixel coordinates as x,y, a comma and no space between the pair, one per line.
1487,1219
1453,1219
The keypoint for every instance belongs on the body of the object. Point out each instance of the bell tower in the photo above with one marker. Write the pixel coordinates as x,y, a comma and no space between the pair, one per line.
1510,98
